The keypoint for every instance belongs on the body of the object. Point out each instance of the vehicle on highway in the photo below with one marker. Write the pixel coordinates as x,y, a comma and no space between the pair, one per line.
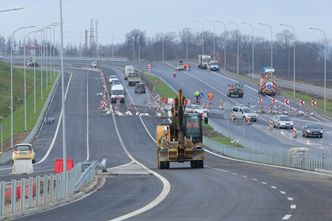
133,78
128,69
93,64
282,121
49,120
267,84
213,66
116,81
203,61
32,63
180,66
117,93
239,112
112,77
140,88
235,89
312,130
182,139
194,108
23,151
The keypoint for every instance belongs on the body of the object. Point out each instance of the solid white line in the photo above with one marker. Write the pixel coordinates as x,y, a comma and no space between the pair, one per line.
283,192
87,120
286,217
293,206
290,198
57,128
166,185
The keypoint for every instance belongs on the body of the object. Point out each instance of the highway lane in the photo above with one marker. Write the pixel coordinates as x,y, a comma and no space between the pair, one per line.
207,81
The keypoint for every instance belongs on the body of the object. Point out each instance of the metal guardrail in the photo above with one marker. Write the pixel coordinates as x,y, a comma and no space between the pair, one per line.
20,195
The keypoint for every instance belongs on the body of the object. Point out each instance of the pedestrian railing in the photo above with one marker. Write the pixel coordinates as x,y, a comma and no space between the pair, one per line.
18,196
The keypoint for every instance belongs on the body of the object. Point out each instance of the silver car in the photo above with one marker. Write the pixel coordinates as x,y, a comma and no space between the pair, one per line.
282,121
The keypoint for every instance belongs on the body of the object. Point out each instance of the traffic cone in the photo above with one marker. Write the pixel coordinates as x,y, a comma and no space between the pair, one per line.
294,132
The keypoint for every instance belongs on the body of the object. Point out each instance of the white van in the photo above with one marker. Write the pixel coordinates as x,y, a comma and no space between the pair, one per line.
117,93
128,69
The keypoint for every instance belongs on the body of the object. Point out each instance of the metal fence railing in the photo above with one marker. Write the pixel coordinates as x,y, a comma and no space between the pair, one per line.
38,192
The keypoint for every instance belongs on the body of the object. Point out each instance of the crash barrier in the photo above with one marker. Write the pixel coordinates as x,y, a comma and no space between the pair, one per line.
18,196
295,157
58,165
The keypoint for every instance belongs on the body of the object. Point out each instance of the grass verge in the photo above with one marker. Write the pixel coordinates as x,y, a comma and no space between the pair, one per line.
209,132
18,95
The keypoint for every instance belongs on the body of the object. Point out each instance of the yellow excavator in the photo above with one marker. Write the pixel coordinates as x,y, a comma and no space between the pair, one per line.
181,140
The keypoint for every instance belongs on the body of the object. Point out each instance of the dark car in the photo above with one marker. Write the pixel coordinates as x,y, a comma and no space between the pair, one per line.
139,88
312,130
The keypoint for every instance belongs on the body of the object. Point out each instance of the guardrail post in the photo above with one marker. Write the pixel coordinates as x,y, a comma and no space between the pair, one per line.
3,198
13,198
22,198
30,196
57,187
51,187
45,190
38,192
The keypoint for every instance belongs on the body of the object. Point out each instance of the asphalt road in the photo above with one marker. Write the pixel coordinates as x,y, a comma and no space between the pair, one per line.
223,190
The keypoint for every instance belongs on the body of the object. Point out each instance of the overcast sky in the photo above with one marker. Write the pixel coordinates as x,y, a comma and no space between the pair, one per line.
119,17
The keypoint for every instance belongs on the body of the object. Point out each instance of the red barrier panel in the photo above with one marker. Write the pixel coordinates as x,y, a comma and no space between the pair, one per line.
8,192
58,165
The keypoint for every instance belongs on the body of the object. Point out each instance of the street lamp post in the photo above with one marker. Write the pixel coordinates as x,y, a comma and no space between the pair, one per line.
269,26
252,48
294,57
139,49
202,23
225,44
325,51
214,38
163,48
2,128
34,75
238,47
11,85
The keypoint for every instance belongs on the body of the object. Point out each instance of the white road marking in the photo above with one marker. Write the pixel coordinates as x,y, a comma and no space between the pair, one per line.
273,187
293,206
244,176
57,128
254,179
264,183
290,198
286,217
234,173
283,192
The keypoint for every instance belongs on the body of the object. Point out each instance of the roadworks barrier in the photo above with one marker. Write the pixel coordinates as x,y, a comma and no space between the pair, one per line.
22,167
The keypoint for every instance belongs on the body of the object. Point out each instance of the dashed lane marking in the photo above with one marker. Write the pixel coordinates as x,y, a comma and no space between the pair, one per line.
286,217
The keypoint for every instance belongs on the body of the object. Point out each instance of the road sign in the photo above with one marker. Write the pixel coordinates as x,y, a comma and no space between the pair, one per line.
260,100
313,102
273,100
149,67
301,102
286,101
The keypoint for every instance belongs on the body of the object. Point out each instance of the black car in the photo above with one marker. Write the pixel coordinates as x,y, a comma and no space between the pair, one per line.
312,130
139,88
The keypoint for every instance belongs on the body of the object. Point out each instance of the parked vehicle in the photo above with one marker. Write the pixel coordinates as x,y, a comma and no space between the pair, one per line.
117,93
213,66
203,61
140,88
128,69
282,121
235,89
239,112
23,151
312,130
267,84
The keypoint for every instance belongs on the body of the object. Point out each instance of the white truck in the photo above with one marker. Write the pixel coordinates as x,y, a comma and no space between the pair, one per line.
117,93
128,69
203,61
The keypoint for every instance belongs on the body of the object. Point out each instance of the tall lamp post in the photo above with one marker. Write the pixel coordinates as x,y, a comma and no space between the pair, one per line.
225,44
202,23
2,128
238,47
214,38
325,51
269,26
11,85
25,81
34,75
252,48
294,57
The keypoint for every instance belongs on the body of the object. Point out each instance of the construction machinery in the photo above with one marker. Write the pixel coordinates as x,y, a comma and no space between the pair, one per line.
235,89
181,140
203,61
267,84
